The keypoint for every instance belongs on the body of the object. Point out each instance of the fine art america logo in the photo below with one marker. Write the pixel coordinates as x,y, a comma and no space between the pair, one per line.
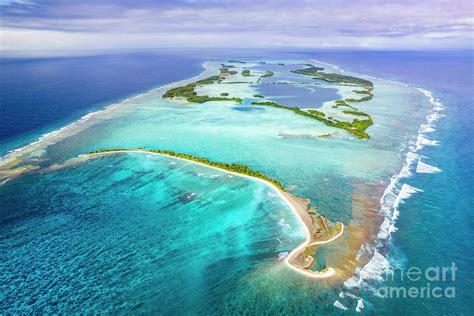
435,283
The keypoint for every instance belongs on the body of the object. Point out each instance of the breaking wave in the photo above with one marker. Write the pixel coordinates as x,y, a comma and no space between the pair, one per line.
395,194
340,305
426,168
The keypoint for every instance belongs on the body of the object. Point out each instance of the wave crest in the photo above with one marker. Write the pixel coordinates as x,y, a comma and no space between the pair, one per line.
395,194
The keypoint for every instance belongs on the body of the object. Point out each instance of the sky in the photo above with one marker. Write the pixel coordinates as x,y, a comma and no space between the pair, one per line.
52,25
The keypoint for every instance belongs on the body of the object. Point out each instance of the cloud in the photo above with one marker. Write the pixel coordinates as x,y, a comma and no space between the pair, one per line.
10,2
146,24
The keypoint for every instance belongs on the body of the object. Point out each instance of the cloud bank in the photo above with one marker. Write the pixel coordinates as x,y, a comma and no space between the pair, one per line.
27,25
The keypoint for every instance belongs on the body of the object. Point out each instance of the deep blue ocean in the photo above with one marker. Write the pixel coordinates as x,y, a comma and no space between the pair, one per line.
435,225
42,94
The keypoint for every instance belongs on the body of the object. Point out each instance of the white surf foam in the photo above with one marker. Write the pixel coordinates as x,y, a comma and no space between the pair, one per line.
46,136
384,231
339,305
351,298
371,271
426,128
438,106
422,141
405,192
282,255
426,168
207,69
434,117
396,193
405,172
284,224
336,67
347,294
365,250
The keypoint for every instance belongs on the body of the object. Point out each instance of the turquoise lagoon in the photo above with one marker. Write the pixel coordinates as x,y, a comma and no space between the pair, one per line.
137,232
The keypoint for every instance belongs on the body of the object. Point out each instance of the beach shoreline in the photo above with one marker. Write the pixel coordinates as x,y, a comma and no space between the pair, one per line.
298,206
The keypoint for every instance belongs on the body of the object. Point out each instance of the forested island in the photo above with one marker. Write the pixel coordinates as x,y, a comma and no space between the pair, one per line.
317,73
188,93
357,126
241,169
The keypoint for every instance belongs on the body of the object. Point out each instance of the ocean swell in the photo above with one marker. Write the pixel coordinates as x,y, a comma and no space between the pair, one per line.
426,168
86,120
395,194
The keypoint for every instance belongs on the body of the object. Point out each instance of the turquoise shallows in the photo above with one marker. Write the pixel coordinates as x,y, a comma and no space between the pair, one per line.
138,232
91,238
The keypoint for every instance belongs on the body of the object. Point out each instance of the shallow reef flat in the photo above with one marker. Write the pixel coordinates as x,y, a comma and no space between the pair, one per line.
342,168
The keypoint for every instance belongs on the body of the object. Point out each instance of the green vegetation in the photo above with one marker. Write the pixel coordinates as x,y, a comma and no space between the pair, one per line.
236,82
272,104
337,228
325,135
367,95
356,127
209,80
241,169
317,113
313,67
361,91
206,98
246,73
366,98
342,79
316,73
339,103
356,112
187,92
225,72
101,151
